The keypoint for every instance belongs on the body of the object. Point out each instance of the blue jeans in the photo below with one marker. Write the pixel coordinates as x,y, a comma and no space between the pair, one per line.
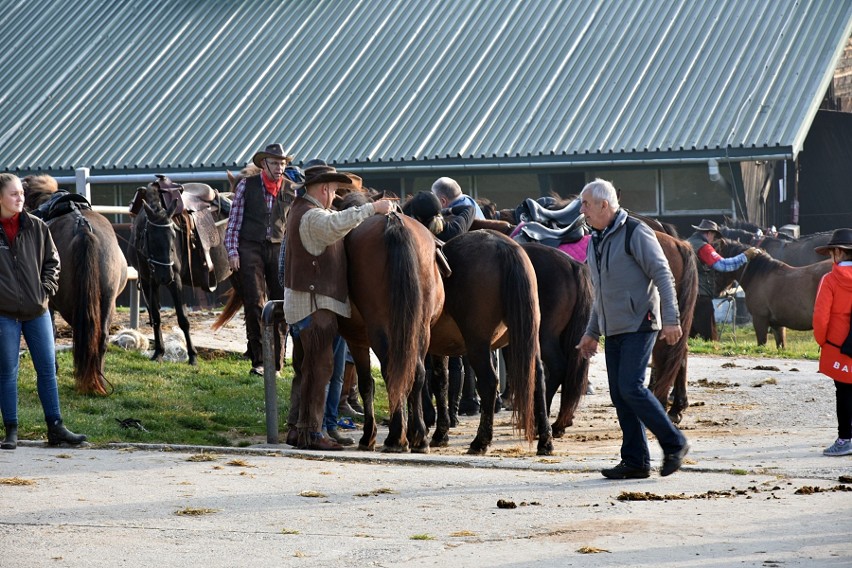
335,386
627,357
38,333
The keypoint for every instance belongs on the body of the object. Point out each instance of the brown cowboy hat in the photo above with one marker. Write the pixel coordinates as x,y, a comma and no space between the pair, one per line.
323,174
707,225
841,238
271,151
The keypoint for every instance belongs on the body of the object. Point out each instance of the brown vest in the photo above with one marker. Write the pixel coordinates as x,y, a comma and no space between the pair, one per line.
256,217
324,274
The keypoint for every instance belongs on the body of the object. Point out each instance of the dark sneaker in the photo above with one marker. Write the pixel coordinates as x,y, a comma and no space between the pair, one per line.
624,471
672,462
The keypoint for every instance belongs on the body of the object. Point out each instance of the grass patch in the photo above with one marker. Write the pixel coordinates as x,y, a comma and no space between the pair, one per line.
741,341
216,403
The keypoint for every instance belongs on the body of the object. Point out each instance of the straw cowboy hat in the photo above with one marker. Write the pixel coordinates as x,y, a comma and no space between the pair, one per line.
841,238
271,151
707,225
355,183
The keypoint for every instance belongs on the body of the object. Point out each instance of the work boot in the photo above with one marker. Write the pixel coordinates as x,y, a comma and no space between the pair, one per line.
58,434
335,435
10,442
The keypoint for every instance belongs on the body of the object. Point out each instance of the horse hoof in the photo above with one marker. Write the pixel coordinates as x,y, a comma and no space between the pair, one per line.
394,449
558,432
545,449
676,418
442,442
422,449
193,361
477,450
366,447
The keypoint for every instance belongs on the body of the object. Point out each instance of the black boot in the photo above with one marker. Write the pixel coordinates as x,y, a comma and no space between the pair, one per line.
11,440
58,434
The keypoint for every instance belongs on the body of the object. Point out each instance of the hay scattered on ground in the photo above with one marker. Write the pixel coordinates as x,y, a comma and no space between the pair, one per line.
195,511
16,481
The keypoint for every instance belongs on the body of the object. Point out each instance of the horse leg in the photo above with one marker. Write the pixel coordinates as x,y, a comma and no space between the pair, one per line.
153,301
486,386
555,374
780,334
440,380
761,329
177,297
416,425
545,437
366,388
679,398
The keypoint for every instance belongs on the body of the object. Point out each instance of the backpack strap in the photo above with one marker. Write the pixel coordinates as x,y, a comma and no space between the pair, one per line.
630,226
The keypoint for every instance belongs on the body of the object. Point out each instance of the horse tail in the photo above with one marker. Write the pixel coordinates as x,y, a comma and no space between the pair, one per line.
408,322
576,380
671,359
86,323
232,305
520,300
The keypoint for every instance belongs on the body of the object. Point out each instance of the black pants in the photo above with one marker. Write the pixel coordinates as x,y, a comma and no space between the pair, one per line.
844,409
704,320
259,282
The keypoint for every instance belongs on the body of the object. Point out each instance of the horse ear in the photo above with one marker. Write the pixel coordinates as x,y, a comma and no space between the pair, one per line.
148,211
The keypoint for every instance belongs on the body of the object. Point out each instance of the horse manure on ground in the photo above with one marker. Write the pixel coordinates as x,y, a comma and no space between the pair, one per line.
505,504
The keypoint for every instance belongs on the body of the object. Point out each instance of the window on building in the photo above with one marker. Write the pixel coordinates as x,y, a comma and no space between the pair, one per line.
690,189
638,188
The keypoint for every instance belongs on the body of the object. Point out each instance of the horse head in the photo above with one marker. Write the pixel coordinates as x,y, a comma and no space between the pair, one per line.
157,242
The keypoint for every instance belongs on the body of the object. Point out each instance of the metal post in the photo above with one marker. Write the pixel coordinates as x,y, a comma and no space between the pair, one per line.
273,312
133,281
81,177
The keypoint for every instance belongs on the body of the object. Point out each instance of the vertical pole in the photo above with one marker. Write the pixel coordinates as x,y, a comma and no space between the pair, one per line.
82,185
272,312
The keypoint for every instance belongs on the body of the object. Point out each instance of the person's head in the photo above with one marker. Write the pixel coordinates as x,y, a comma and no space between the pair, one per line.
709,229
321,183
839,248
426,208
447,190
599,203
272,160
11,195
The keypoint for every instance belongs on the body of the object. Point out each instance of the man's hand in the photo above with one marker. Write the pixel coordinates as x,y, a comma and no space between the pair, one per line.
752,252
234,263
588,347
383,206
670,334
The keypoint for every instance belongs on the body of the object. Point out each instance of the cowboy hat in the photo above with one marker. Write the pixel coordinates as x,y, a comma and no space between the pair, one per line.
355,183
323,174
271,151
707,225
841,238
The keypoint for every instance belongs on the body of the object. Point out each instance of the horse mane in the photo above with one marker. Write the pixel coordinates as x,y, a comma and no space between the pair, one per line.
248,171
761,262
38,188
488,207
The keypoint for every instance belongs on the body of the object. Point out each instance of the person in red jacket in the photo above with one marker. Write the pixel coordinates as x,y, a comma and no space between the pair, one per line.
832,311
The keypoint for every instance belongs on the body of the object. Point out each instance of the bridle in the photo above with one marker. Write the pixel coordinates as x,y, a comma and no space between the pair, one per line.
152,263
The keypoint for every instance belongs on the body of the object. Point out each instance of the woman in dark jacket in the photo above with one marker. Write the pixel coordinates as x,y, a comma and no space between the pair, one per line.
29,275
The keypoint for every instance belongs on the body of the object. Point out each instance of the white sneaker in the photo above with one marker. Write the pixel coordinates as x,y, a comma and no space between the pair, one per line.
840,447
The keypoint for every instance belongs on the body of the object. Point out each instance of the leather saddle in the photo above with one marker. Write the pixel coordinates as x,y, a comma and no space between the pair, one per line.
61,203
532,210
538,233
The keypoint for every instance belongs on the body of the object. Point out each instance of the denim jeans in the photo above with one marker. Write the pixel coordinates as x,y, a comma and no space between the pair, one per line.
627,357
38,333
335,386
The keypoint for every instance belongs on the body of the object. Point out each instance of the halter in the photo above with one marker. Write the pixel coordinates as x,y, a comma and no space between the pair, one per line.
151,261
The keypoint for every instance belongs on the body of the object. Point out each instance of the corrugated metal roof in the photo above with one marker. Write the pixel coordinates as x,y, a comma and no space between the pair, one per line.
127,84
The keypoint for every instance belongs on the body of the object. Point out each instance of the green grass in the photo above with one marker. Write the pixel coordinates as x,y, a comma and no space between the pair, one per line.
742,341
216,403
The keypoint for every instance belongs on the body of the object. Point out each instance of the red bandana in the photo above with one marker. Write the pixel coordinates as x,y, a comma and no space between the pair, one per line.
272,186
11,226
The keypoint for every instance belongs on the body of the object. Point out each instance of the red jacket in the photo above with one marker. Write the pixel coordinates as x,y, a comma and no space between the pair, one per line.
832,311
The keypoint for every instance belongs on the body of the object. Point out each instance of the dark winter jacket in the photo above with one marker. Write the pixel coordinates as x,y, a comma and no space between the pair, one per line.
29,270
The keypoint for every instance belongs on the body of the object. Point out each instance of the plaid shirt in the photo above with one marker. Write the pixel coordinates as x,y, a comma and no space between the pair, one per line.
235,218
318,229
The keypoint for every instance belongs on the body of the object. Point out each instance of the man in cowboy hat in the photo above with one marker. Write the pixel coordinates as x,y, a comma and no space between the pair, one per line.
315,289
253,241
704,320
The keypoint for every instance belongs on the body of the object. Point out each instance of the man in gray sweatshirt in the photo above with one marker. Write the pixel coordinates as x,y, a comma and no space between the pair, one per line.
635,305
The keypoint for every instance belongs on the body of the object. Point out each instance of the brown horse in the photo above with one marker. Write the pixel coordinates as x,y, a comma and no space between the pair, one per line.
777,295
795,252
492,302
397,295
93,273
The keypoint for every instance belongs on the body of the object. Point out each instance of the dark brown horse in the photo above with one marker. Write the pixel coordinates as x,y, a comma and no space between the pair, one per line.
93,273
795,252
491,302
777,295
397,295
166,252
